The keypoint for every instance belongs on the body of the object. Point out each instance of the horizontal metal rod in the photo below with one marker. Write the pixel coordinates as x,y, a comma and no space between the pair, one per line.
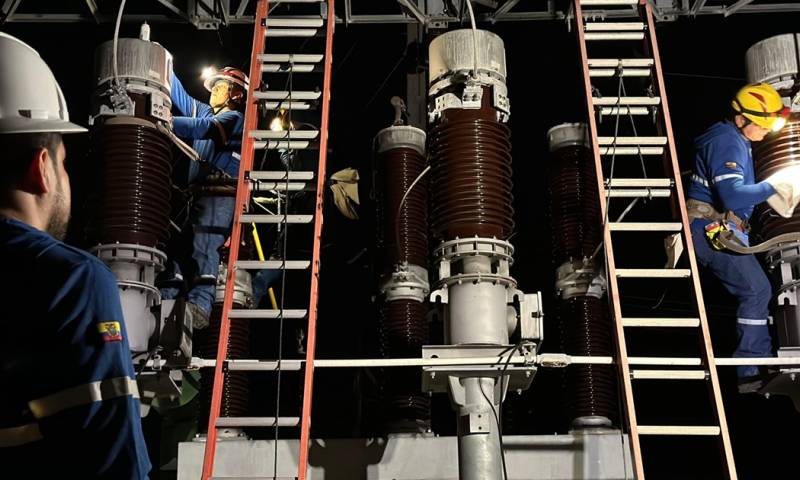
545,360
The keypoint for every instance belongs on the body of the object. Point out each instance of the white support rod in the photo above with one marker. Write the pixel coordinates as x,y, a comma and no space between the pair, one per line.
551,360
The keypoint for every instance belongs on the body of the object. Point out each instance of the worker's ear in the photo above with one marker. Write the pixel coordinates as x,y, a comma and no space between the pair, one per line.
37,177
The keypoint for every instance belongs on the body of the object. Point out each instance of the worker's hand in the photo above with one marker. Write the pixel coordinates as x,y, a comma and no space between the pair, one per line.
786,183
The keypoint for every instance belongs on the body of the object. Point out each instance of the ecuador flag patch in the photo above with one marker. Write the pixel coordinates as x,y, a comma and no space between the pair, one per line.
110,331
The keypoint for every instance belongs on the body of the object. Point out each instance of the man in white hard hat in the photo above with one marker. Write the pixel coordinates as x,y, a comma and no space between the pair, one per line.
69,405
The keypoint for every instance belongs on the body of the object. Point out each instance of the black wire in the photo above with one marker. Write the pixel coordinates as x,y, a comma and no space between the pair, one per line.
513,349
287,168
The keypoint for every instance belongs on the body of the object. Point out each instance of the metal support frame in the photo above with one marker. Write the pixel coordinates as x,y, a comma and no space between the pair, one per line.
736,7
425,14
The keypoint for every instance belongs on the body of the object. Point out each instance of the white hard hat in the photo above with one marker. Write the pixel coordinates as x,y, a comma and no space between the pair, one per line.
30,98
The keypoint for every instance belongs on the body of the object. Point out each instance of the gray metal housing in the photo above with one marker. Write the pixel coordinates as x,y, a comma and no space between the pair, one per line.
602,454
774,61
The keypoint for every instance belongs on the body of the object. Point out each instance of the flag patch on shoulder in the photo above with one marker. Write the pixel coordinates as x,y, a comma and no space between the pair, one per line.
731,165
110,331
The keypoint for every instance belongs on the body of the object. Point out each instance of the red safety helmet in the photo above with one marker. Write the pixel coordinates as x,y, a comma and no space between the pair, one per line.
229,74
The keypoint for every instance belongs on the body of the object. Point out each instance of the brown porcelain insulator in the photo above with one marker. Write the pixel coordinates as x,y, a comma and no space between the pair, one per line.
591,389
398,168
236,387
770,155
471,174
134,176
574,204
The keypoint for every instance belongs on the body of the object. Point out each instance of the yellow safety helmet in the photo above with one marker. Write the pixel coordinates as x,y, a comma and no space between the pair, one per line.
762,105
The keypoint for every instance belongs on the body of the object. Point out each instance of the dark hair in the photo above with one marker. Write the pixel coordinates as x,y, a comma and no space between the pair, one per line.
17,149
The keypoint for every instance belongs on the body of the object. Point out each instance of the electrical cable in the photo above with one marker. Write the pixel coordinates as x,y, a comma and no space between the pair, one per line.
400,210
284,247
474,39
116,39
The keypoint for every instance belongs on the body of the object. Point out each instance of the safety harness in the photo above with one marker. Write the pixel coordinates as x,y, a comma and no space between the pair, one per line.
725,230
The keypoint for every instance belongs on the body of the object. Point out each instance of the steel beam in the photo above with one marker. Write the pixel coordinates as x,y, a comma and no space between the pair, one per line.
92,9
503,9
414,11
174,9
242,7
736,7
697,6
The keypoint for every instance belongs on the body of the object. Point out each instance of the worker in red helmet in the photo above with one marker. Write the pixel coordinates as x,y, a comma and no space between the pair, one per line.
69,404
215,131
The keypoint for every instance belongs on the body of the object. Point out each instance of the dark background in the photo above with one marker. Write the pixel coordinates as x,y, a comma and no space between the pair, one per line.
703,64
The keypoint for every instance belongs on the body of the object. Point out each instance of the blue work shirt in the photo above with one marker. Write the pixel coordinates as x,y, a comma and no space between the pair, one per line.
216,138
69,407
723,172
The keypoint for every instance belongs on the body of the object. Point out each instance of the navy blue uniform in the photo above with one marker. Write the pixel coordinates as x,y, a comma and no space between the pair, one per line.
724,177
69,405
218,141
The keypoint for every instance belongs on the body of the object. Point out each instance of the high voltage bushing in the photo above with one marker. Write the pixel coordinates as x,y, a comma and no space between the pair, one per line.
403,238
472,216
577,232
128,218
236,384
776,61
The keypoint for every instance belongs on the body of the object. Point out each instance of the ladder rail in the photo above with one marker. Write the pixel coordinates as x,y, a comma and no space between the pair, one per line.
613,292
708,351
308,374
242,199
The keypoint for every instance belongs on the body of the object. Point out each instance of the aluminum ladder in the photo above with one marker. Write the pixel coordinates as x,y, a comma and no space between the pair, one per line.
296,29
624,29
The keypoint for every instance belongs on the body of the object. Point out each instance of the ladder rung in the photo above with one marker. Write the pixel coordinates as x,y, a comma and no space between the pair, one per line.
297,22
607,3
676,430
614,36
653,272
264,365
639,192
287,105
282,145
290,32
645,226
286,68
672,361
273,264
279,175
240,422
660,322
628,101
624,62
639,182
284,135
266,313
268,186
285,95
260,218
624,111
669,374
626,72
632,141
614,27
290,57
631,150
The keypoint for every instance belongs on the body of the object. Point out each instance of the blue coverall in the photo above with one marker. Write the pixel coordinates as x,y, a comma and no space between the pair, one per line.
218,141
69,406
724,177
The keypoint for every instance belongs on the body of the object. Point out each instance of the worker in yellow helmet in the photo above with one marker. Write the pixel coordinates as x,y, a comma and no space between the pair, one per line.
722,194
